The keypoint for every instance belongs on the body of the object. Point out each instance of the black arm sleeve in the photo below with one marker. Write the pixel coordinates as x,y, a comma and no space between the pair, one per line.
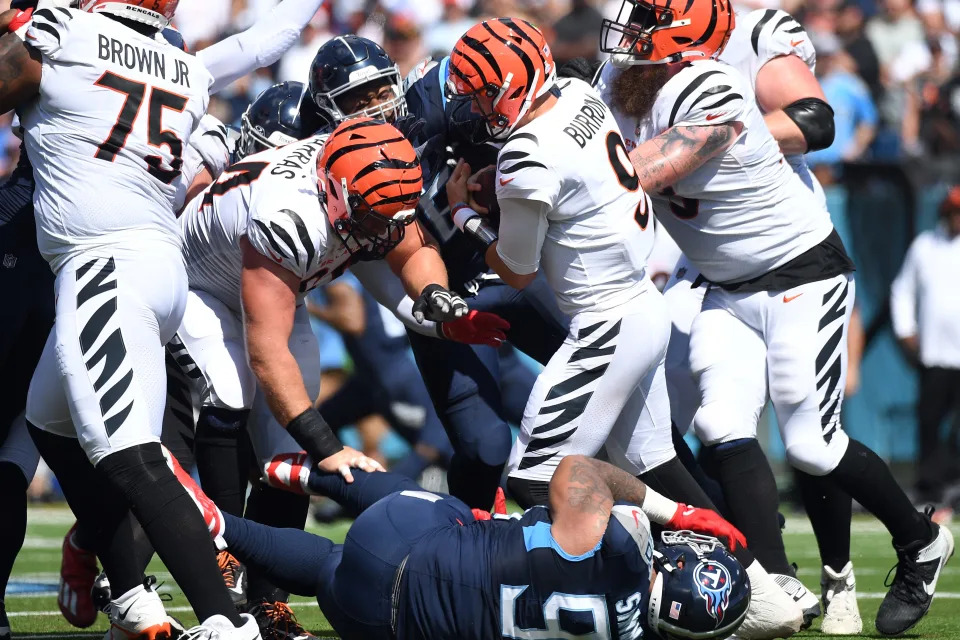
814,117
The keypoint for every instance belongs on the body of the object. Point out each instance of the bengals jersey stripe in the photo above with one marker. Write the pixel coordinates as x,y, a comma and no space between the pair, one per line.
690,88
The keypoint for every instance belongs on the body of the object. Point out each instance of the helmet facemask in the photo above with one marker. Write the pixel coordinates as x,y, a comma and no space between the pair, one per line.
366,234
253,140
629,38
387,110
498,120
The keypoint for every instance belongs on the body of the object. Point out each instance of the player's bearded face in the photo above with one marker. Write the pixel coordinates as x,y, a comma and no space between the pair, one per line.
635,88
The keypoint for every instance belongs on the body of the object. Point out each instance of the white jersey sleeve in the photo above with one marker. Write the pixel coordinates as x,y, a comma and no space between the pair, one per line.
717,94
282,235
210,142
523,174
48,31
761,36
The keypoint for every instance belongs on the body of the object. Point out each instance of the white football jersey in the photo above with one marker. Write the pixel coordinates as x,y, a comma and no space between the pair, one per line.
598,229
761,36
742,213
209,148
272,199
108,130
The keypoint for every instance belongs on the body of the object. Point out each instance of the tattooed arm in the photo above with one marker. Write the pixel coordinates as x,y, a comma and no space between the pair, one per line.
679,151
20,69
582,494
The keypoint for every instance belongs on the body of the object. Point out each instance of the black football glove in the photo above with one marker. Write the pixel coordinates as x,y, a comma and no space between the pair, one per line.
579,68
410,126
438,304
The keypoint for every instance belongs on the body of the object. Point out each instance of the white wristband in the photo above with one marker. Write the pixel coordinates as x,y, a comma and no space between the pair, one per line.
658,508
462,215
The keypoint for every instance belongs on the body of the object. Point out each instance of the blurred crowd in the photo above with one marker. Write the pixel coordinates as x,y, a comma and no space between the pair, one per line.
888,67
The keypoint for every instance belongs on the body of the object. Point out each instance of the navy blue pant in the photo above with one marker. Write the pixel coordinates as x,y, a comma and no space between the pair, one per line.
465,384
353,582
26,292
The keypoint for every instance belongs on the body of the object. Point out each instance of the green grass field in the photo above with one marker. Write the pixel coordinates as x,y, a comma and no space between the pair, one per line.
34,615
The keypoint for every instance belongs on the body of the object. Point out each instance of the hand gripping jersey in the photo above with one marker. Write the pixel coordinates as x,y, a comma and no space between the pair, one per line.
508,578
107,132
597,232
761,36
273,199
745,212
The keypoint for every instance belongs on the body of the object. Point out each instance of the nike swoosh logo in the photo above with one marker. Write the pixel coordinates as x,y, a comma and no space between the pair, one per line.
123,614
787,298
505,182
714,116
238,588
794,43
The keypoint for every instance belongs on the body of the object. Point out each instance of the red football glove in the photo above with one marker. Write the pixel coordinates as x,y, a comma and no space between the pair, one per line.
19,20
499,507
477,327
708,523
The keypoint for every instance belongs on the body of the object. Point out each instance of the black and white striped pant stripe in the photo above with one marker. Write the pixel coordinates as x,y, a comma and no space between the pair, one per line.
604,387
786,346
102,375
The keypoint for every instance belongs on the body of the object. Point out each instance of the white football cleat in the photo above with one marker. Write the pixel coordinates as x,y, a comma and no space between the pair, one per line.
841,615
809,603
772,613
139,615
220,628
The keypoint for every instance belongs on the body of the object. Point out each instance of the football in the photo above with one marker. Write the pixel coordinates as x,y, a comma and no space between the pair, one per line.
487,196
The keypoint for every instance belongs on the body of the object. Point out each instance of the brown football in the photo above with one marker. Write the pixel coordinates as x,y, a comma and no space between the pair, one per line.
487,196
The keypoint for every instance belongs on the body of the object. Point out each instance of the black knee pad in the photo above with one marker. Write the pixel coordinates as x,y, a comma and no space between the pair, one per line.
218,423
528,493
141,474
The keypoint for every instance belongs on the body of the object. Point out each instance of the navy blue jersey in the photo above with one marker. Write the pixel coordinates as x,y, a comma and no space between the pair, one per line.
425,99
510,579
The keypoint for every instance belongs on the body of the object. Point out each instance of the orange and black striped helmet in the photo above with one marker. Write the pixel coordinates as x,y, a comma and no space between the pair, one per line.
371,180
507,61
659,31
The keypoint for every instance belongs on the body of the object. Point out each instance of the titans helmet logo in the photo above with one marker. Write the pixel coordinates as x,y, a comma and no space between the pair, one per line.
713,584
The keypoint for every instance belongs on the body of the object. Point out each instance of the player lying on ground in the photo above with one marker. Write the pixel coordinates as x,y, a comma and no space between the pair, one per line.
417,564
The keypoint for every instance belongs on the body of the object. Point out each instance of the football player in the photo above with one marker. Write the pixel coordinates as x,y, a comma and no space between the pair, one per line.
775,54
465,382
113,57
417,564
80,77
773,322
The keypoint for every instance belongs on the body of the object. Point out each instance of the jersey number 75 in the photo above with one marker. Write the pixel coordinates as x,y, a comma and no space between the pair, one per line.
156,135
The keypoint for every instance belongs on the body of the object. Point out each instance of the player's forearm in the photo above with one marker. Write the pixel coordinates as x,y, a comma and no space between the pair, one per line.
679,151
423,267
495,262
786,132
20,71
279,377
259,46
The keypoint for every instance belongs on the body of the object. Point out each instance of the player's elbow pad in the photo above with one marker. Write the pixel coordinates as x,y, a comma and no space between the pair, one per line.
814,117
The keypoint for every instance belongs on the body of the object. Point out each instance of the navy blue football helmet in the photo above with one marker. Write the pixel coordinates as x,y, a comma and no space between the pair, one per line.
174,37
700,592
346,63
272,120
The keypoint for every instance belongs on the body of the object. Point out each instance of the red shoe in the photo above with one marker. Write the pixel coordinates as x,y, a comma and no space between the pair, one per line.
212,515
78,570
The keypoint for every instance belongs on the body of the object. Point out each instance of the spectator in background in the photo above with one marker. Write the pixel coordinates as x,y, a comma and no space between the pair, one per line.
855,116
403,41
893,29
441,37
577,33
295,64
850,27
925,308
